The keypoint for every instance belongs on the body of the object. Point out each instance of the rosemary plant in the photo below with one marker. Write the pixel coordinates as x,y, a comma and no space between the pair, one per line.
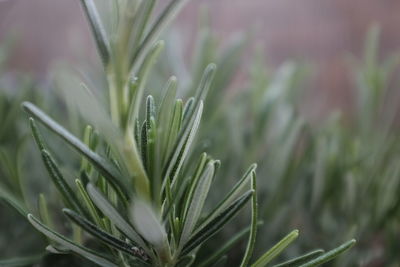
138,199
321,178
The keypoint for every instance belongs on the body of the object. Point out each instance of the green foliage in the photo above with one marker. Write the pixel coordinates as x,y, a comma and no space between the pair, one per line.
141,195
339,177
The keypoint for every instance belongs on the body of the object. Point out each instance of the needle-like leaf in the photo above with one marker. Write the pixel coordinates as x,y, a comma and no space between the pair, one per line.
59,181
213,258
330,254
276,250
254,219
301,259
98,31
186,261
82,251
217,223
182,147
241,187
147,223
44,211
140,23
104,236
200,192
110,212
144,72
13,201
105,168
88,203
162,21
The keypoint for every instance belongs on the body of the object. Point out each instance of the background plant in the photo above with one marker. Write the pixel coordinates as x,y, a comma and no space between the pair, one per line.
338,176
13,147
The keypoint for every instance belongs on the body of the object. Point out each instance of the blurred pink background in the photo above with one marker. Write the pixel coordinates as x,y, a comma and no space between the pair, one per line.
321,32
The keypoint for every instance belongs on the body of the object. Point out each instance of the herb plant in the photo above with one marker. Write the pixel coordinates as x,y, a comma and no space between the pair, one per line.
323,178
140,193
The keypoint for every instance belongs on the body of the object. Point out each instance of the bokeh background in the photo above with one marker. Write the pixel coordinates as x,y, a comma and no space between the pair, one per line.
320,32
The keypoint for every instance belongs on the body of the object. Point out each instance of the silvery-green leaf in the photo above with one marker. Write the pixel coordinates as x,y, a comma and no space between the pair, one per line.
57,250
217,223
201,92
197,201
13,201
44,211
104,236
98,30
163,20
140,23
174,126
327,256
102,165
60,183
186,261
301,259
181,149
143,76
110,212
148,223
276,250
165,113
215,256
241,186
88,203
82,251
254,219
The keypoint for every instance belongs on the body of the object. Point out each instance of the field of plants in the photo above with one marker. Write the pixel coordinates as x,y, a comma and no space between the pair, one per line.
160,159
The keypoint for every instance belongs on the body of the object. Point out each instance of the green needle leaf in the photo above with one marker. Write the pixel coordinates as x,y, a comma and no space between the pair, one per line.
88,203
174,127
253,231
216,224
44,211
84,252
162,21
301,259
241,187
102,165
330,254
201,92
105,237
276,250
186,261
147,223
165,113
36,134
59,181
98,31
197,201
110,212
13,201
143,75
182,147
140,23
213,258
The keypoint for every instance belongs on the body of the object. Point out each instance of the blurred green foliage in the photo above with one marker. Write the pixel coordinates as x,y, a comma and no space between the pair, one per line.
333,179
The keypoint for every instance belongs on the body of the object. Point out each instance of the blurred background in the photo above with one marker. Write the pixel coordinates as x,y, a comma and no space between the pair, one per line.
320,32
